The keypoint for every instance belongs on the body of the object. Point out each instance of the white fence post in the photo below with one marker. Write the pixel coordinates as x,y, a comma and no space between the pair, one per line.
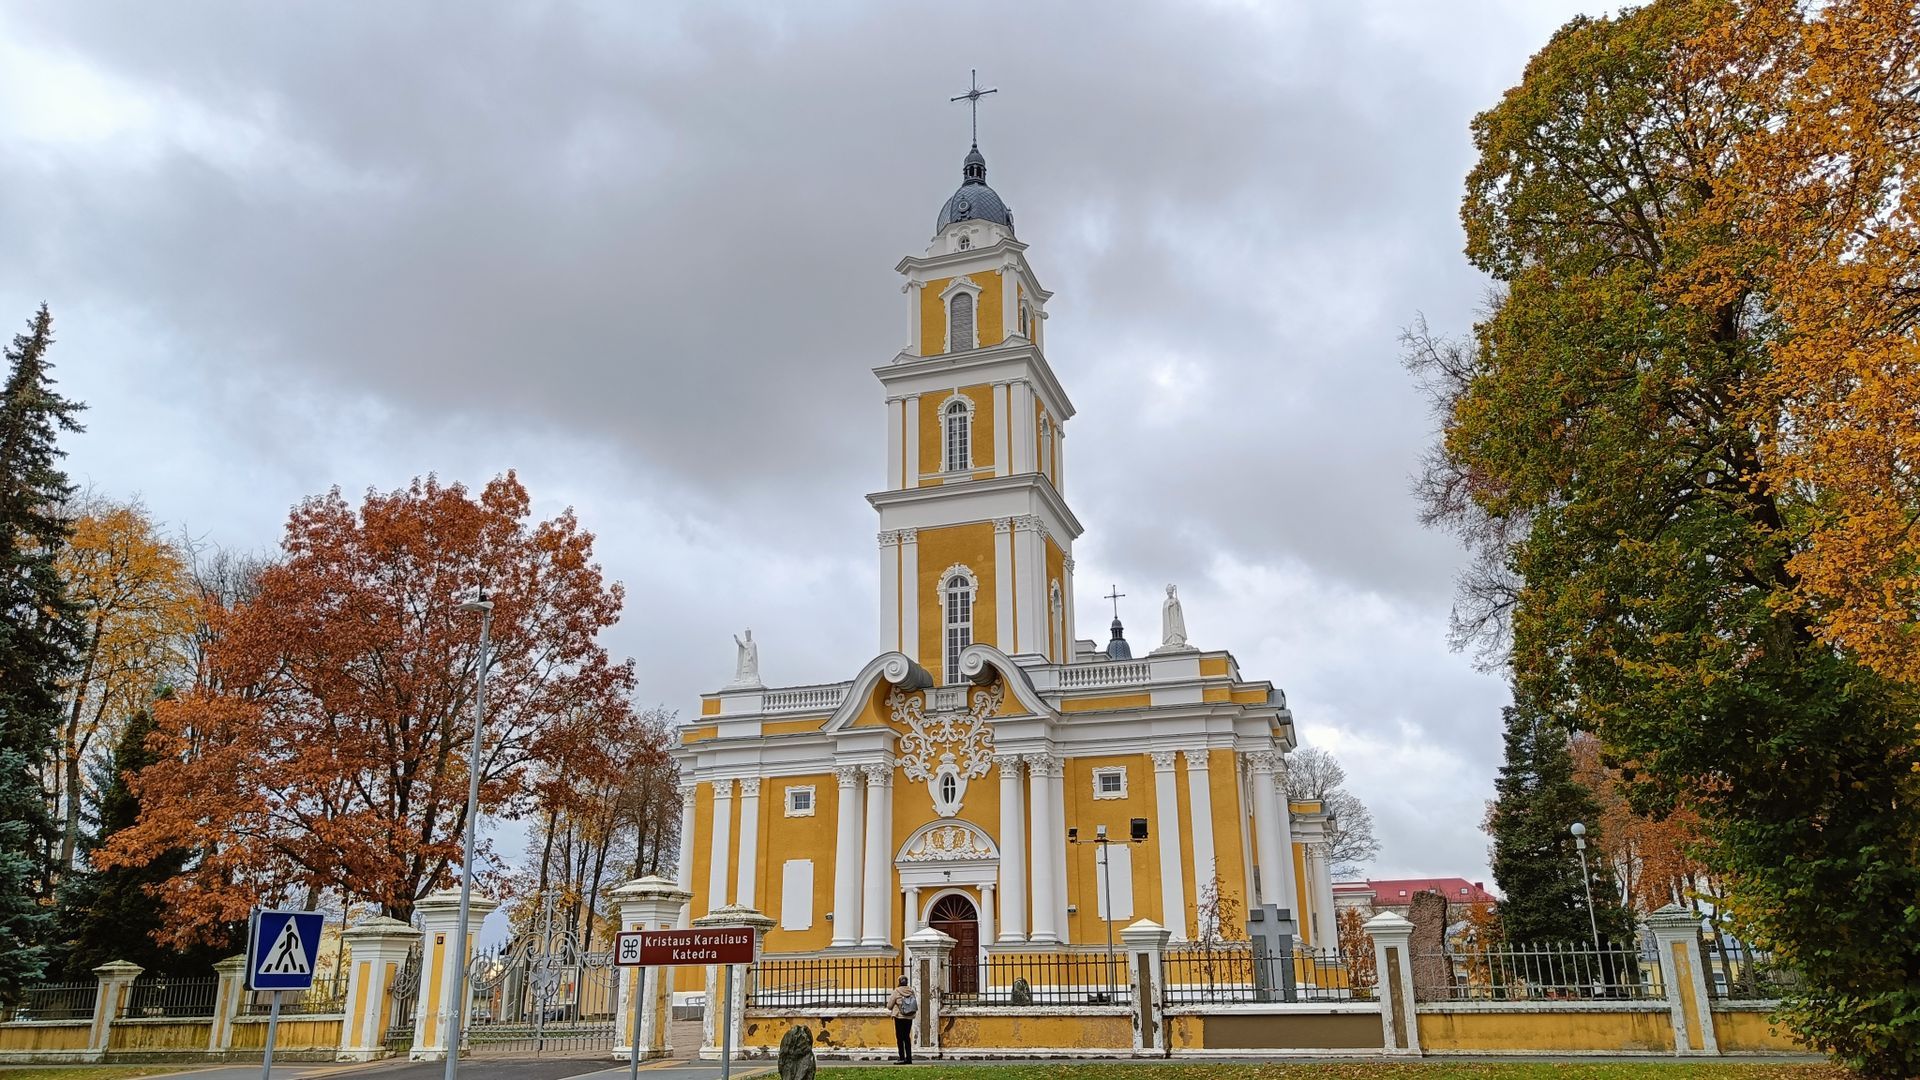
1393,975
1146,943
1676,934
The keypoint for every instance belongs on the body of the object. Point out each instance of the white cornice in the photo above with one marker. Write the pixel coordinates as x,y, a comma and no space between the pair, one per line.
1032,482
976,260
906,366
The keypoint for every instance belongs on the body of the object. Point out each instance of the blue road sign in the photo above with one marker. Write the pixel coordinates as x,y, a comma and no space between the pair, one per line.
281,949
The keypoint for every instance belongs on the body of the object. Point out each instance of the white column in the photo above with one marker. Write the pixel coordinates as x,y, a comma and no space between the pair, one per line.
685,876
1013,850
896,443
1066,595
889,590
986,917
1046,905
1173,893
910,594
748,876
847,857
875,919
1003,570
1326,930
1200,812
722,840
1022,427
1274,860
911,460
912,289
1002,431
1009,301
1057,789
1286,834
1030,564
1059,457
911,921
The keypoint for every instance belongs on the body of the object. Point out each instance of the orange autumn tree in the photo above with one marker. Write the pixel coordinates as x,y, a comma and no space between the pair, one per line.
1654,859
331,758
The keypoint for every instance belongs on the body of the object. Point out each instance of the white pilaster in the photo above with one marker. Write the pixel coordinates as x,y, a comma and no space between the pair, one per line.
1200,823
986,917
847,857
1066,590
912,289
1013,850
910,594
747,878
1009,301
722,842
1030,584
889,590
910,462
1002,431
912,908
1047,926
1057,790
875,921
1022,428
1326,930
1274,860
684,878
1059,457
1003,571
1166,798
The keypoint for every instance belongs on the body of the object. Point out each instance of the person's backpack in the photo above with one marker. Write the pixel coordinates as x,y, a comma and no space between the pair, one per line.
909,1004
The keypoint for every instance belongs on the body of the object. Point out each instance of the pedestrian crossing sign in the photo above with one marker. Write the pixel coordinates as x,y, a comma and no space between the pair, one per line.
282,947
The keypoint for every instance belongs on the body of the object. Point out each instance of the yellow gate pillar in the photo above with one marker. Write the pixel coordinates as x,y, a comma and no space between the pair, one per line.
228,997
1146,943
439,920
377,947
1393,977
648,903
743,979
1676,932
116,980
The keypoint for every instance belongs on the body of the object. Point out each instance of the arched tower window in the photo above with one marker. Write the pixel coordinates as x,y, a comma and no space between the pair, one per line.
1046,447
1063,649
960,321
958,420
1023,321
965,242
957,588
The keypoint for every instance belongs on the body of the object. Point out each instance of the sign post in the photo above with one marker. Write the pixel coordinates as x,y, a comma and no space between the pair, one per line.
282,947
722,945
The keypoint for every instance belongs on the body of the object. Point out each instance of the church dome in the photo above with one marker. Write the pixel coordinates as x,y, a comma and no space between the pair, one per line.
975,201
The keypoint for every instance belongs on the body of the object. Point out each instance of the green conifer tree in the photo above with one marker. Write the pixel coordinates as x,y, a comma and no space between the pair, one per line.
111,914
40,634
1534,858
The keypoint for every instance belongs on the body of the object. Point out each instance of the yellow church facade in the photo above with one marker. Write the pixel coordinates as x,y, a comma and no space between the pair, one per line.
965,776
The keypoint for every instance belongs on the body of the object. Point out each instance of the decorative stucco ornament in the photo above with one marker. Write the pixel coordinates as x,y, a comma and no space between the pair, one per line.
947,748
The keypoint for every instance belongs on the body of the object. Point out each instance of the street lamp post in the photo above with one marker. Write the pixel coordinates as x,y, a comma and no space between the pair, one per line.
1586,882
1139,836
457,1022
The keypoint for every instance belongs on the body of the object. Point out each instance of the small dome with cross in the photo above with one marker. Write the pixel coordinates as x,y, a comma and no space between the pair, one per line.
975,201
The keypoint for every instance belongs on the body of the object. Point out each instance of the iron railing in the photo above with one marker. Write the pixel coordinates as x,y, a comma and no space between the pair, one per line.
171,998
1746,974
327,996
1538,972
1232,972
1020,979
53,1001
834,982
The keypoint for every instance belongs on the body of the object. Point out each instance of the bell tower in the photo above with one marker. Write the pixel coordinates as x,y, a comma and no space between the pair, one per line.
976,539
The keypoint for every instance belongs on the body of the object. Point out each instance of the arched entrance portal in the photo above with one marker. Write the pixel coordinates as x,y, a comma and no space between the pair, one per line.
955,916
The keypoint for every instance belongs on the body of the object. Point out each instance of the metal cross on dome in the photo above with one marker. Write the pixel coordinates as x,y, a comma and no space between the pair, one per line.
1115,596
972,98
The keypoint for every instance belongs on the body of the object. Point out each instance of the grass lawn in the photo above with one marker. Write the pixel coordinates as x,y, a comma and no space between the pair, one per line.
89,1072
1369,1070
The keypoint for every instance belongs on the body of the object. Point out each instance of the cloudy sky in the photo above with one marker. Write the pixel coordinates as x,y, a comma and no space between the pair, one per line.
643,255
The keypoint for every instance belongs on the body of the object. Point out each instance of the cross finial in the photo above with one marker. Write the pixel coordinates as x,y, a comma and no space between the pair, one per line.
972,98
1115,596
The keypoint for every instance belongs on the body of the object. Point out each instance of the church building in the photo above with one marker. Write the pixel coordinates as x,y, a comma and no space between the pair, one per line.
966,776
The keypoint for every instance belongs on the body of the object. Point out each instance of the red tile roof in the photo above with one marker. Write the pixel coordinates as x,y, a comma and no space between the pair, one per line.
1398,892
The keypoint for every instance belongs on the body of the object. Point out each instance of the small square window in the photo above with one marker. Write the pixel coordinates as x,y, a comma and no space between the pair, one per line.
800,801
1110,783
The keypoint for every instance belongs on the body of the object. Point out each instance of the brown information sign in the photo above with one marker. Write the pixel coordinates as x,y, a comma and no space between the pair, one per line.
680,948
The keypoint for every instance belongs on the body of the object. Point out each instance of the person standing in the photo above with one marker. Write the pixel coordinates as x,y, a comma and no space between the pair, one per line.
903,1006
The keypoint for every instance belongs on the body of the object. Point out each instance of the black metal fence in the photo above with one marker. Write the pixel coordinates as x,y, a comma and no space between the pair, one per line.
1747,974
53,1001
327,996
1022,979
1543,972
834,982
1232,972
170,998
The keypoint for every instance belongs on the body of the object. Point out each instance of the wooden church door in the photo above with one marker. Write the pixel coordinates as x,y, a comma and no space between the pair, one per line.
955,916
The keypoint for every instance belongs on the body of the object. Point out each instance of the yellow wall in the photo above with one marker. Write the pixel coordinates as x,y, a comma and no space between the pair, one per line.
986,314
843,1032
1011,1029
1547,1031
45,1036
933,431
1744,1031
1224,776
1213,665
1085,812
702,841
294,1033
783,838
695,734
1112,701
971,546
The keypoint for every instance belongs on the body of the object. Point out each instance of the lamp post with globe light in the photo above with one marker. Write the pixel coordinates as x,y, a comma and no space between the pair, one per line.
1586,882
457,1021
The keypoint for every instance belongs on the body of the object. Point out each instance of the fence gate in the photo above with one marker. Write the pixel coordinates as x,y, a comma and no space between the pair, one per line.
540,994
404,1002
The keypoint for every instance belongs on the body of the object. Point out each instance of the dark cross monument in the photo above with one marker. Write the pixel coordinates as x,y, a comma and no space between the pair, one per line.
972,98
